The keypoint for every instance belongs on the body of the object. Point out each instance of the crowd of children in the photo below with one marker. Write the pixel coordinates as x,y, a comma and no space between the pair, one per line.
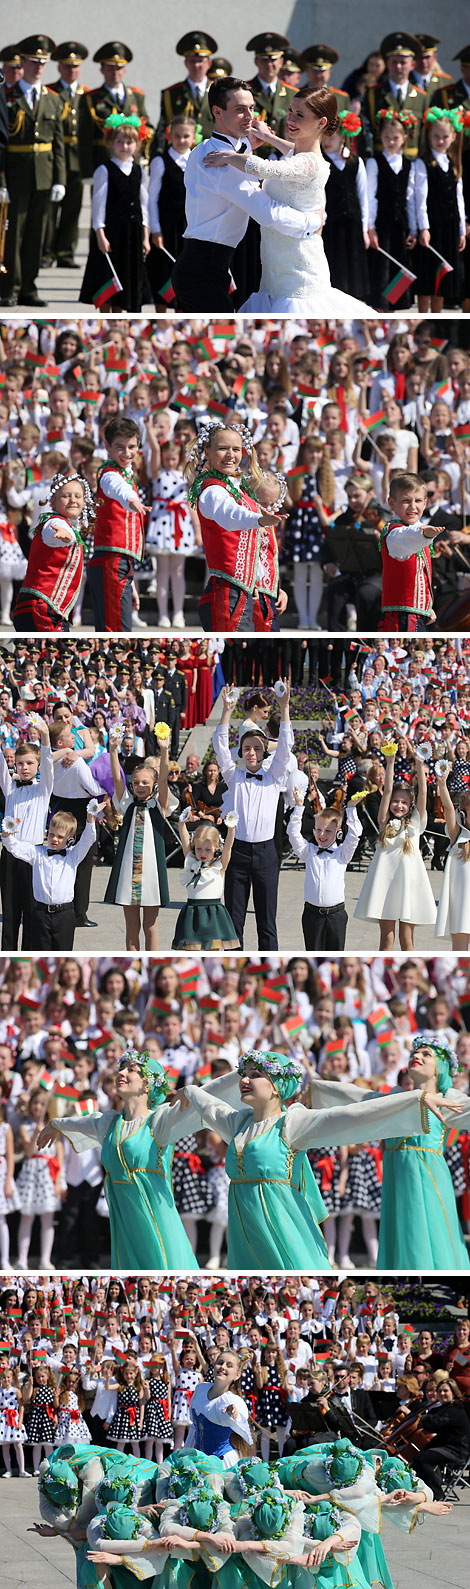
64,1030
185,433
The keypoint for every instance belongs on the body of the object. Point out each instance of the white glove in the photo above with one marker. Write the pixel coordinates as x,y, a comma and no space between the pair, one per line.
57,193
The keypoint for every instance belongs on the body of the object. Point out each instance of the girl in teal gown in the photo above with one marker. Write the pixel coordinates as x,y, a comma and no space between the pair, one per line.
137,1145
340,1568
337,1471
419,1224
275,1206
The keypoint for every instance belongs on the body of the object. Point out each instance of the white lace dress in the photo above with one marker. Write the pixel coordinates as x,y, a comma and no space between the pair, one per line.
295,278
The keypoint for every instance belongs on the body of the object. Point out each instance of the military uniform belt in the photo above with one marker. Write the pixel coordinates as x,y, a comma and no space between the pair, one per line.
29,148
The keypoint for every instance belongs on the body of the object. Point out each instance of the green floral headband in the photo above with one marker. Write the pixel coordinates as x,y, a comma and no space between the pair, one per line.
434,113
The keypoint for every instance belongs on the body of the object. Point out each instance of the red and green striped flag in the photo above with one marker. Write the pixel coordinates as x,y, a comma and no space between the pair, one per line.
240,385
384,1036
161,1007
398,285
379,1017
66,1092
88,396
462,432
307,391
271,995
88,1107
103,294
372,421
188,983
167,292
334,1045
223,331
209,1001
220,409
114,361
41,361
444,269
205,349
438,343
292,1025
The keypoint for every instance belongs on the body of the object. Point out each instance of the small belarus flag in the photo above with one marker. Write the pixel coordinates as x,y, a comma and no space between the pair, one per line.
88,1107
438,343
398,285
444,269
223,330
205,349
167,292
162,1007
384,1036
271,995
66,1092
292,1025
220,409
188,983
107,291
372,421
462,432
209,1001
90,397
307,391
240,385
379,1017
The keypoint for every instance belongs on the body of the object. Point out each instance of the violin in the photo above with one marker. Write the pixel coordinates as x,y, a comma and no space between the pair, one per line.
403,1435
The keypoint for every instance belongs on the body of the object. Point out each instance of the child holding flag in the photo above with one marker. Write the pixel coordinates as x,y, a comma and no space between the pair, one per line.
114,272
439,211
389,184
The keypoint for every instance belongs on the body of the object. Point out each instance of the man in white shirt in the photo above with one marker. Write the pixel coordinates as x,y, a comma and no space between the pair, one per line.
253,792
219,205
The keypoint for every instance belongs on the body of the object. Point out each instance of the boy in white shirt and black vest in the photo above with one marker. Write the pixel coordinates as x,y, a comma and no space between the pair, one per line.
54,866
324,917
253,793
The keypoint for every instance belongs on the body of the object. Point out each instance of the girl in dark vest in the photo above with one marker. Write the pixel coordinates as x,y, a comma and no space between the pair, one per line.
389,185
119,220
167,196
346,229
439,211
138,879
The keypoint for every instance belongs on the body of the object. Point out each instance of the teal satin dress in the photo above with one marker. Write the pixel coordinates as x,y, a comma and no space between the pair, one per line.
145,1227
419,1224
275,1206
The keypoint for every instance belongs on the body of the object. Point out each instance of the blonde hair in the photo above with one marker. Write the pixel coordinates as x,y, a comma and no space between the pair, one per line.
388,831
63,820
207,830
198,460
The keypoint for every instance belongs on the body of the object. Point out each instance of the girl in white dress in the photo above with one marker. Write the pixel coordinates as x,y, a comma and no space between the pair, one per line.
173,528
12,1430
138,878
204,923
295,277
397,886
40,1183
8,1192
453,916
219,1416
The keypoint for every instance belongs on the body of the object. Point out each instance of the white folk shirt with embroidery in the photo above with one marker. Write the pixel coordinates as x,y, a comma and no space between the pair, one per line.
220,200
115,486
255,802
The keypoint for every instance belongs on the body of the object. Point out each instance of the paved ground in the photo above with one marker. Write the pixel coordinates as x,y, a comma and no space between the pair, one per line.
435,1554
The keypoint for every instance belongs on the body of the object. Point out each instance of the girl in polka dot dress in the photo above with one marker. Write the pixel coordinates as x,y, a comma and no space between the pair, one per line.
126,1426
71,1425
304,539
12,1431
187,1377
40,1183
41,1400
173,529
272,1412
157,1428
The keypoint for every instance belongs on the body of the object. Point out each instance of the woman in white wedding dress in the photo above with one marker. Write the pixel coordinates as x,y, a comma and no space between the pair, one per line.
295,278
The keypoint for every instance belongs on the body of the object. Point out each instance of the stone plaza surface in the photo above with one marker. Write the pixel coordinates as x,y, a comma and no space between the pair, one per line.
436,1554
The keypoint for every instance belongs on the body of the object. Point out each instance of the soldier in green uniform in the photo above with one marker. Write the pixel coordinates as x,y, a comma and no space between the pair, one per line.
96,104
272,97
450,96
427,73
12,65
34,169
292,68
317,62
62,226
189,97
399,50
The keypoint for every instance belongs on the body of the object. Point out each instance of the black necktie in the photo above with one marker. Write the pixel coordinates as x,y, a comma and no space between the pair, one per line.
258,776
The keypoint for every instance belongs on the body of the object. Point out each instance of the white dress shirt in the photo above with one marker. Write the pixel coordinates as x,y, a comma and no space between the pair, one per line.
157,171
53,873
100,192
405,539
73,783
418,191
30,803
220,200
325,872
254,799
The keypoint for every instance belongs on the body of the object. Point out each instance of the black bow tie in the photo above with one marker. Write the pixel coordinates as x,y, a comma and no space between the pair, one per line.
24,783
325,850
258,776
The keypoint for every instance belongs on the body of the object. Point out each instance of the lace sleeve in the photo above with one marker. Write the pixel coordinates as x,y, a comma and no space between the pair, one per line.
296,171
